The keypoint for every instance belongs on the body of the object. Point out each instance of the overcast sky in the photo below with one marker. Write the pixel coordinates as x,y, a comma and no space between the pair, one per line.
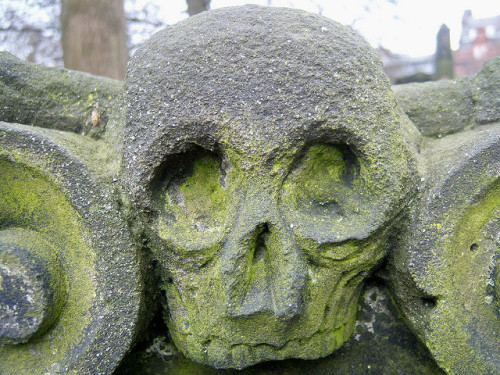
407,27
403,26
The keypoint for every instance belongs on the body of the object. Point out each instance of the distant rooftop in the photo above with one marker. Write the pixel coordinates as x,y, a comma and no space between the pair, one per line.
472,27
479,42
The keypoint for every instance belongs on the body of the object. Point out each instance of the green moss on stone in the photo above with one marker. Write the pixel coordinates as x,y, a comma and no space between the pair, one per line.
468,267
203,194
29,200
54,98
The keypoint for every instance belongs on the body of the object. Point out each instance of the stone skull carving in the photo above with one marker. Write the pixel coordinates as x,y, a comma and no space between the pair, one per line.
263,150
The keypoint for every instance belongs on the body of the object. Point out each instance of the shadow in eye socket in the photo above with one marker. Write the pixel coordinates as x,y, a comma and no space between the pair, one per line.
326,180
352,168
189,188
175,169
318,153
330,195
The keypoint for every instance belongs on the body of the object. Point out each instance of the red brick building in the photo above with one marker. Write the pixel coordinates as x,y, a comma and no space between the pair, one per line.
479,42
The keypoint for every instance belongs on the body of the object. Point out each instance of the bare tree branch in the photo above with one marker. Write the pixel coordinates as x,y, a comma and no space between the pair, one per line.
145,21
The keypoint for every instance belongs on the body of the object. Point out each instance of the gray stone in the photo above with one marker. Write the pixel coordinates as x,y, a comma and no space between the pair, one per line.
267,160
32,291
381,345
446,107
486,92
47,195
444,272
33,94
437,108
267,172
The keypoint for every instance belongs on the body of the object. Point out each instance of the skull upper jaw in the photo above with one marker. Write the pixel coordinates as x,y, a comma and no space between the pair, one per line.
208,328
262,290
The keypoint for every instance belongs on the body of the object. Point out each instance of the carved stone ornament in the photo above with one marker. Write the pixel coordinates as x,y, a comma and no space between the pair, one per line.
251,175
267,161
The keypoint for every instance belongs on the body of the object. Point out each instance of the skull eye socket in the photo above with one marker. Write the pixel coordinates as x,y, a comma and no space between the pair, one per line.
324,181
326,195
325,177
190,195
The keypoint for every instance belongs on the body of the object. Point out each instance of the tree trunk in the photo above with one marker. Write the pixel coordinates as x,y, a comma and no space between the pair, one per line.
197,6
93,37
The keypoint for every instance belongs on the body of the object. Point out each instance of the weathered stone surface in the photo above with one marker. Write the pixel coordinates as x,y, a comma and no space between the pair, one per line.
54,98
381,345
32,285
445,107
49,193
270,172
264,150
445,271
486,92
437,108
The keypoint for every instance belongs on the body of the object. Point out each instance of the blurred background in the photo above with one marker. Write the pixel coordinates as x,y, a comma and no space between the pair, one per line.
417,40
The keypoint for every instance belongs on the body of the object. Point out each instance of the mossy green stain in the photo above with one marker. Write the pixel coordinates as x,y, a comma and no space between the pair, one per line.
464,288
476,217
43,254
90,99
204,197
253,171
193,201
29,200
322,172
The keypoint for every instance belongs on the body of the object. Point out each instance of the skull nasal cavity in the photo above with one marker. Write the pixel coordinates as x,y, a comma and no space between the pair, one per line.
261,243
